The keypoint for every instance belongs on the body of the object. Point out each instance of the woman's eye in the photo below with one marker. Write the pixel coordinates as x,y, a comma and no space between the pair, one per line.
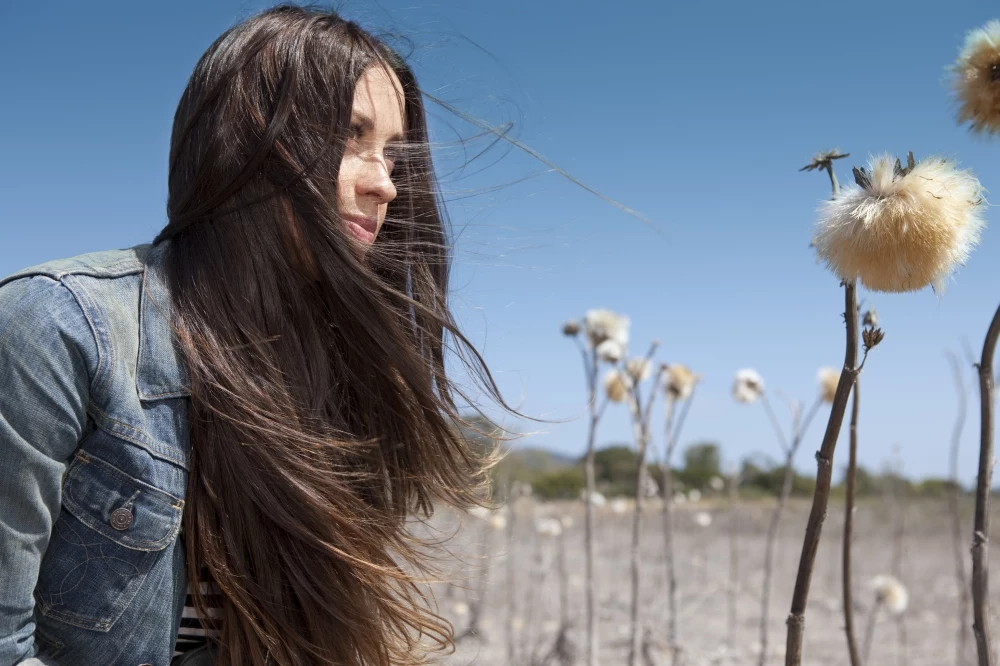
392,154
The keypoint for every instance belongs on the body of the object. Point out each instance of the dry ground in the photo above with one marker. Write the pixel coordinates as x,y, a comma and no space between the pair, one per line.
927,635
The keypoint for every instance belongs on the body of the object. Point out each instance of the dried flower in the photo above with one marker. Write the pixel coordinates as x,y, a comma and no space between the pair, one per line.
679,381
610,351
871,337
480,512
976,80
596,498
890,593
824,160
870,319
604,325
549,527
638,369
617,385
702,519
571,328
900,229
828,379
748,386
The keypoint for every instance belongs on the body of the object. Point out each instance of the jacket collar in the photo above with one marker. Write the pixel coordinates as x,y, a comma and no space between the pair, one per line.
160,371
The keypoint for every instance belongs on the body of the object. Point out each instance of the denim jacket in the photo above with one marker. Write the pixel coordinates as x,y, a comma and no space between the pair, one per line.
94,445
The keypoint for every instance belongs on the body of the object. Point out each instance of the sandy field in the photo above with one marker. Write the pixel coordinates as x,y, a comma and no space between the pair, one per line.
912,539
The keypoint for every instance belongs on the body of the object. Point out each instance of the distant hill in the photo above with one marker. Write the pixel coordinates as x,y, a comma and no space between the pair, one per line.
538,459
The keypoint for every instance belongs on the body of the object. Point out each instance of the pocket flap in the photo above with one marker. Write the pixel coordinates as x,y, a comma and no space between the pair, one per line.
145,518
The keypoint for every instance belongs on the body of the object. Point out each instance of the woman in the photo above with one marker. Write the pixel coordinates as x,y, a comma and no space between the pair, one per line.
257,400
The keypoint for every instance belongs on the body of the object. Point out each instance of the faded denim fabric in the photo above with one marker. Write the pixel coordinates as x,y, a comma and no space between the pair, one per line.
94,447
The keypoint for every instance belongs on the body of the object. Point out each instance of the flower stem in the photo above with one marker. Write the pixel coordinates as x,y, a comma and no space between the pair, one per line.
588,521
668,528
984,485
956,518
636,561
824,473
870,632
852,466
734,563
798,433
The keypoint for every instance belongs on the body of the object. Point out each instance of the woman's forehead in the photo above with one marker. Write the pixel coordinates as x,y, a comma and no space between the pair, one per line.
379,98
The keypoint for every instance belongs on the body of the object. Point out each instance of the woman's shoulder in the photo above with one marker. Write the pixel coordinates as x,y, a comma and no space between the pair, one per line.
101,263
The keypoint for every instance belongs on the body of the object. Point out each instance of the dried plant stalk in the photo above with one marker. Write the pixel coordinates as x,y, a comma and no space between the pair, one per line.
824,473
734,562
588,521
635,648
984,484
640,426
852,467
798,432
956,518
511,631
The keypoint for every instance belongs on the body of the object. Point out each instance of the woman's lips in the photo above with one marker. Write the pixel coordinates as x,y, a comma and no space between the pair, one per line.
362,228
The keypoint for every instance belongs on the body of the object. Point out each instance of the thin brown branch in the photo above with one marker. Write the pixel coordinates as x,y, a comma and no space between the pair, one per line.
799,430
954,495
848,580
635,647
588,521
984,486
870,632
667,482
824,473
774,422
734,562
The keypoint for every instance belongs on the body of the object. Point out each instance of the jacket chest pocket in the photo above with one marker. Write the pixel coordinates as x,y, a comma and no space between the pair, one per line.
112,529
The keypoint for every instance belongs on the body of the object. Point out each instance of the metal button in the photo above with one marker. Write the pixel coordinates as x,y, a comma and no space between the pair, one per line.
121,519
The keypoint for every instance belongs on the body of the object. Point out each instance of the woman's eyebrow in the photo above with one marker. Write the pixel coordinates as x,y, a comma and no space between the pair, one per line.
366,124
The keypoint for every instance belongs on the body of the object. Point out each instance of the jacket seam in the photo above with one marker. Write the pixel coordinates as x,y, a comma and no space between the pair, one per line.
139,438
89,310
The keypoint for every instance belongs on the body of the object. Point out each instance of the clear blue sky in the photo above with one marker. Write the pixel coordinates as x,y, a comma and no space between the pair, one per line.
697,114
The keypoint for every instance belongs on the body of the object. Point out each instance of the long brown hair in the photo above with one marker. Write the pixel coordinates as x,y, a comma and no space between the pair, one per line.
322,417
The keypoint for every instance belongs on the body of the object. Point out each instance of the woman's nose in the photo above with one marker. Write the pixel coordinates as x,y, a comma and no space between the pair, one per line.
375,181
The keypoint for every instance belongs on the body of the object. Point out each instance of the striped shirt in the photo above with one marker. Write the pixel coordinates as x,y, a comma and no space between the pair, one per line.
192,634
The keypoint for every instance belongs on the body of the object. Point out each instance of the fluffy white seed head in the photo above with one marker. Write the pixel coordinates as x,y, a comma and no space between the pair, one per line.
480,512
717,483
890,593
976,80
498,522
595,498
619,505
828,379
748,386
679,381
902,232
617,385
694,495
602,325
460,608
571,328
610,351
638,369
702,519
549,527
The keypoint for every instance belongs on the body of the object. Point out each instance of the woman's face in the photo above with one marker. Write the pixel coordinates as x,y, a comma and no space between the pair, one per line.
364,186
